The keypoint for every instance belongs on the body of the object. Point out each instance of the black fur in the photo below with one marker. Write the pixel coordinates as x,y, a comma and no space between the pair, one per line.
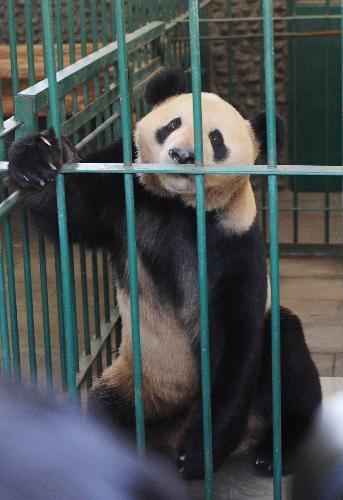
167,83
221,152
164,132
259,125
167,247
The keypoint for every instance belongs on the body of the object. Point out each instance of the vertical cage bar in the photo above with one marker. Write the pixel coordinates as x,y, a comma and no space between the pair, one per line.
28,296
45,309
96,300
61,207
12,299
96,303
292,42
61,334
13,47
29,41
2,142
66,287
49,58
229,53
130,220
85,311
59,34
72,57
5,344
201,239
73,294
274,241
106,286
327,97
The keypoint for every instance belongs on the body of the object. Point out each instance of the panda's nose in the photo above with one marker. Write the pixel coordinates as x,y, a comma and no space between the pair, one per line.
181,156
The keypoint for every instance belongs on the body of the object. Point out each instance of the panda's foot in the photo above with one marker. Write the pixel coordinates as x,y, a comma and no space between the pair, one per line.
35,160
263,462
190,457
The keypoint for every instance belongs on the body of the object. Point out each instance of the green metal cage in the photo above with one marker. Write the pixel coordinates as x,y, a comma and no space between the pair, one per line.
93,98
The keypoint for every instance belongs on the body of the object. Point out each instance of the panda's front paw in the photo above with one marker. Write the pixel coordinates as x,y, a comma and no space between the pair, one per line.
34,160
190,457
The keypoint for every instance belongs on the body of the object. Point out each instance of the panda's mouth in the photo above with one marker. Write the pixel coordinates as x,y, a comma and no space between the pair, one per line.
179,183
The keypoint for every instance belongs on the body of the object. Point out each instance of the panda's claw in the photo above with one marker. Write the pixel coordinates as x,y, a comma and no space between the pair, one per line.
52,166
44,139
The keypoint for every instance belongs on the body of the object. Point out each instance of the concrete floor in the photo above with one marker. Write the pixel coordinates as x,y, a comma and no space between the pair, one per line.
237,480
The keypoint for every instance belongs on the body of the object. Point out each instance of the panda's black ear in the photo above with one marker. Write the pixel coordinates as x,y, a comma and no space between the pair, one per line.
167,83
259,126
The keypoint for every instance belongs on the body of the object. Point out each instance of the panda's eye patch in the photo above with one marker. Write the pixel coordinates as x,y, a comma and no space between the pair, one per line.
163,132
221,152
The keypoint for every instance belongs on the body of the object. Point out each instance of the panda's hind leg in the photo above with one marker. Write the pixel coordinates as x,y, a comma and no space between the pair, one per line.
300,392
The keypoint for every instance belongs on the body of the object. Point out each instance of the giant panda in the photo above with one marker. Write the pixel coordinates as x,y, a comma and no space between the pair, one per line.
238,299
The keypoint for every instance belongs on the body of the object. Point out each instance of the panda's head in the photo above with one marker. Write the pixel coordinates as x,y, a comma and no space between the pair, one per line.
166,135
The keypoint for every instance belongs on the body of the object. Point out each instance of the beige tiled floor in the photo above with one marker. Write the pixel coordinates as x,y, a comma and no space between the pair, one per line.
313,288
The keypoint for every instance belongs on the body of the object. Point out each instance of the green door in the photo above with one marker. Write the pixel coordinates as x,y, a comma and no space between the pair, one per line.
315,110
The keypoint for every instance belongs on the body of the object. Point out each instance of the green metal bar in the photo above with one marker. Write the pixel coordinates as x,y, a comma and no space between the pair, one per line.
156,168
229,56
28,296
66,288
130,221
293,128
5,345
253,19
62,216
327,98
106,73
277,34
49,57
72,56
85,310
107,306
2,142
274,242
90,66
201,239
13,47
74,308
8,126
96,80
45,310
12,299
29,41
61,334
96,302
59,33
106,285
84,54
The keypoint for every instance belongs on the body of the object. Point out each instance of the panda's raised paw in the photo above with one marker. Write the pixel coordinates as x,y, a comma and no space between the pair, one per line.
34,160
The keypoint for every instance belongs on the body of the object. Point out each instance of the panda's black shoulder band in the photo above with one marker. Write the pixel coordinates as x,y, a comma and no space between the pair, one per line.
167,83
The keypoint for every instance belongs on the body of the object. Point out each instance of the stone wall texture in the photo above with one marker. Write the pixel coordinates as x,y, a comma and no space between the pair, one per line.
247,56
